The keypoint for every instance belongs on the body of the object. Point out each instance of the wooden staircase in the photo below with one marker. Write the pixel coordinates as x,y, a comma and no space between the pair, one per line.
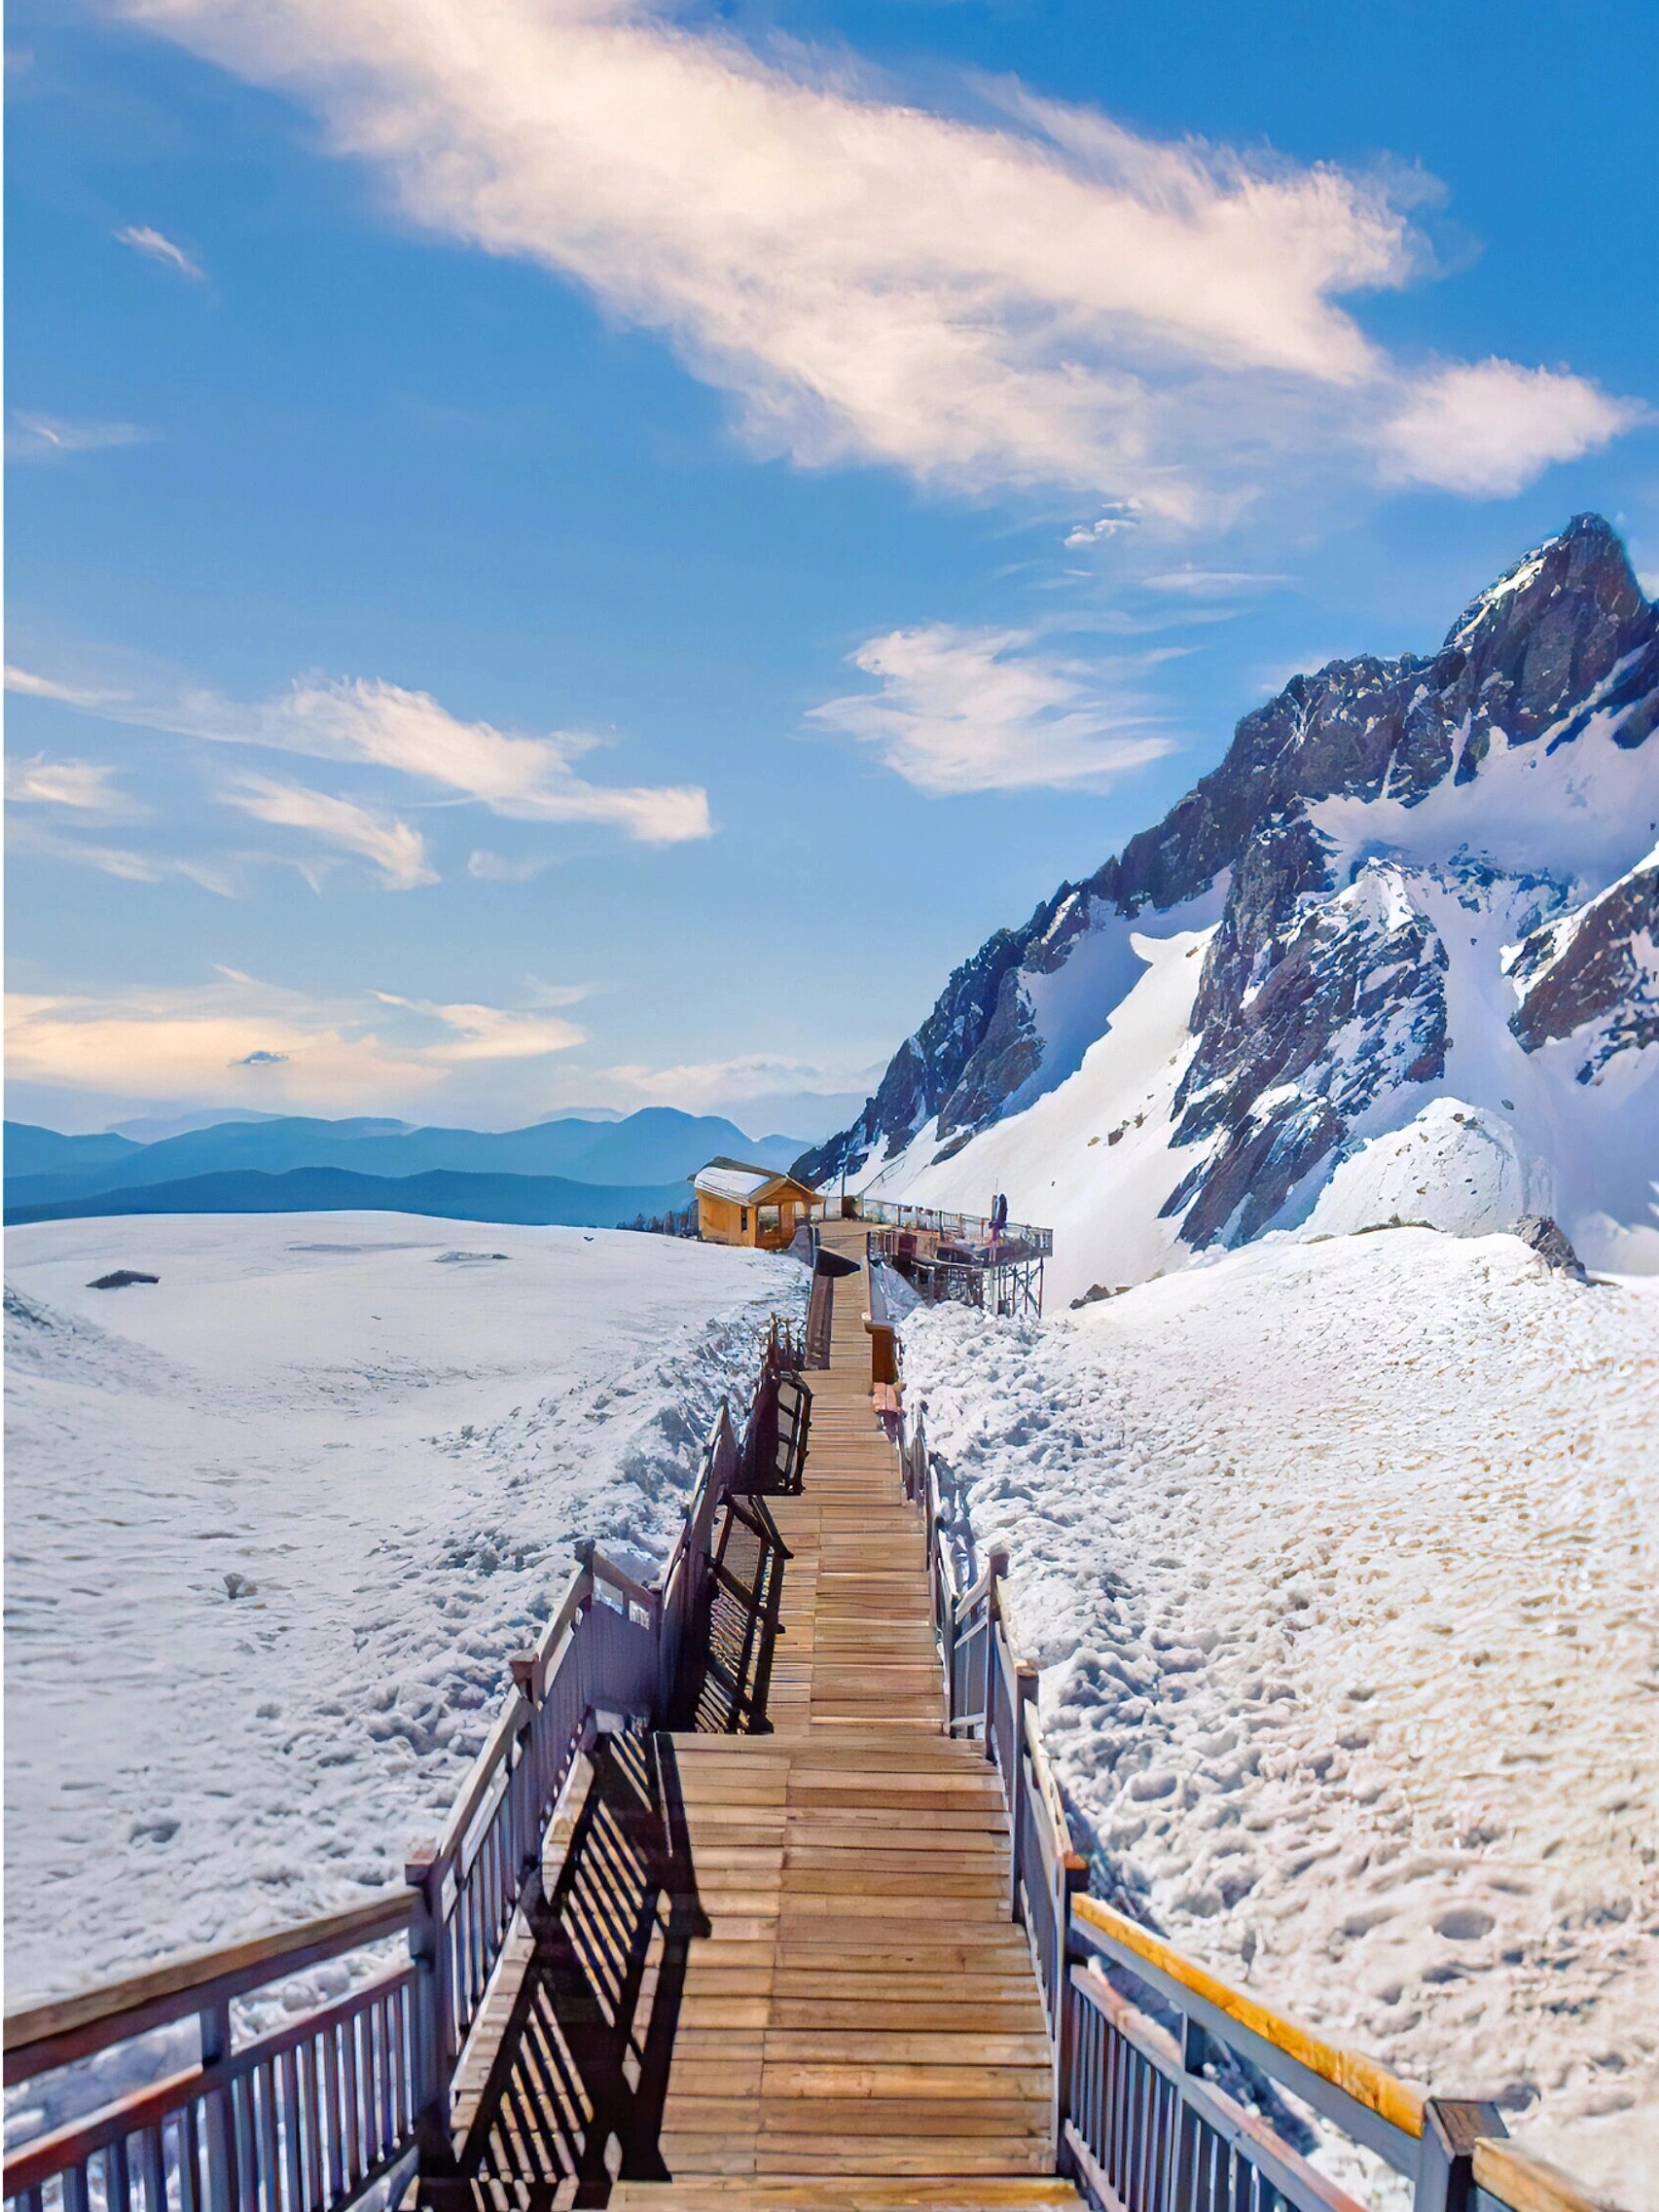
861,2028
983,2192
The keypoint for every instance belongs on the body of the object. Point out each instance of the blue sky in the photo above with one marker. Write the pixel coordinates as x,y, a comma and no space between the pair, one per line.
582,553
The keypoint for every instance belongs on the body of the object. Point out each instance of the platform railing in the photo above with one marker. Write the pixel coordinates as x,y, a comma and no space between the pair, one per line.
967,1228
1150,2080
311,2115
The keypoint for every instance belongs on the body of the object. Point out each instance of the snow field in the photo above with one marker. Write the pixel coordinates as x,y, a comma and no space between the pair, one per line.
275,1525
1342,1561
1090,1158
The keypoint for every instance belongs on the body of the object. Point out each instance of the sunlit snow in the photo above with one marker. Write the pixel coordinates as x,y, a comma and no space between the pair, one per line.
1342,1559
275,1524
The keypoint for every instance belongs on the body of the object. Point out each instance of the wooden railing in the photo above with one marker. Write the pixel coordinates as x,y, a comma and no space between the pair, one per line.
1138,2122
307,2117
966,1228
827,1268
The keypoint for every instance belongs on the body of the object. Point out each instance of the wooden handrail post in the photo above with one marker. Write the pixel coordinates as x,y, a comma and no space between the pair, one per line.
1071,1876
996,1569
948,1652
219,2194
1024,1694
434,2006
1452,2127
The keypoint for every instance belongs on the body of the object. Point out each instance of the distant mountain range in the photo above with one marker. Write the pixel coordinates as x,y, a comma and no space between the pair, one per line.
450,1197
578,1171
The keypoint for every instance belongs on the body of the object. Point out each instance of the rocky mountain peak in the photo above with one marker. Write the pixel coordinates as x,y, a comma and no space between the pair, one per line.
1560,620
1323,987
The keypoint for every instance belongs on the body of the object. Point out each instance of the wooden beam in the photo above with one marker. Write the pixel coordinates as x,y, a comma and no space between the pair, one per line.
1362,2078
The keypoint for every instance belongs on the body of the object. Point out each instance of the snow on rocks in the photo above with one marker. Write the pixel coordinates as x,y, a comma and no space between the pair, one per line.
1454,1167
1091,1158
1342,1560
275,1528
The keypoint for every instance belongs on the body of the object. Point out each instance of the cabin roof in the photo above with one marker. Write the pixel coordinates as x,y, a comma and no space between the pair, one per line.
739,1181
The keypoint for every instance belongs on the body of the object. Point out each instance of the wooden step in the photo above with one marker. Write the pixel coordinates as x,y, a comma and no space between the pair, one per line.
861,2192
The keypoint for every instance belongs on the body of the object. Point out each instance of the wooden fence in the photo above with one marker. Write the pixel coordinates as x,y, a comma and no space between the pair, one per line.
1137,2123
307,2117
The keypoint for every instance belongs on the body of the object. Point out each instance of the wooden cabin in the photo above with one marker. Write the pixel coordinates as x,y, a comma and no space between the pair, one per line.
742,1204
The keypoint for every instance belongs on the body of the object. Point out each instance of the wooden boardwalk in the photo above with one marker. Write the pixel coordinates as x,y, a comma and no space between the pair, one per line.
861,2026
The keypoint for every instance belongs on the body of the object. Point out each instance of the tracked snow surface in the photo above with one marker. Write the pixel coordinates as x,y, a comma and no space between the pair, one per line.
275,1524
1342,1561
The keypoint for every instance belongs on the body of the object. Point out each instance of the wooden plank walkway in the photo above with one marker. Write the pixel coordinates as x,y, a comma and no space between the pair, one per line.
861,2028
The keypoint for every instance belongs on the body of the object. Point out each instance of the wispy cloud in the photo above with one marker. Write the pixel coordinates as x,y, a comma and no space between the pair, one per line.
154,245
86,788
376,724
488,868
493,1033
212,873
1124,516
1038,296
1485,429
394,848
54,437
1211,583
240,1040
992,710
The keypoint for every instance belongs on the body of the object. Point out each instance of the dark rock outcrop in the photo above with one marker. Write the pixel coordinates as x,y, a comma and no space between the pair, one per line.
1550,1241
1307,1015
1595,972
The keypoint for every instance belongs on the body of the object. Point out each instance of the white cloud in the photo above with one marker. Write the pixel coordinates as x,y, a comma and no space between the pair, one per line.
85,786
1039,298
502,868
241,1041
31,685
1210,583
52,438
1486,428
376,724
1112,523
25,834
155,246
989,710
492,1033
395,848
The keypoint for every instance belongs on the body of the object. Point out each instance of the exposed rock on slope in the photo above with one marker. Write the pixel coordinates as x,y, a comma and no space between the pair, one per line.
1420,873
1594,975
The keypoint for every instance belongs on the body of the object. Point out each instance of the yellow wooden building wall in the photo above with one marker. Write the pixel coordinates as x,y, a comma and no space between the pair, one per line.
726,1221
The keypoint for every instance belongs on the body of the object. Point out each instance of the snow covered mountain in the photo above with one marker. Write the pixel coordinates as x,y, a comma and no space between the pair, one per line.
1401,948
